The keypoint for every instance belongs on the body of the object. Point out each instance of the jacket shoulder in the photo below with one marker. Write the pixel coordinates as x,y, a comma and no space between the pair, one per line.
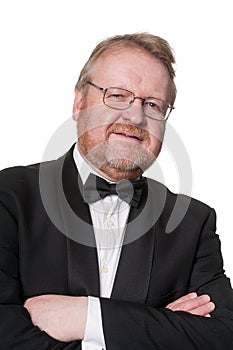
181,208
18,175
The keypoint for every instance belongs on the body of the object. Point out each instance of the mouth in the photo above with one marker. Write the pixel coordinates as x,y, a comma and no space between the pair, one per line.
126,135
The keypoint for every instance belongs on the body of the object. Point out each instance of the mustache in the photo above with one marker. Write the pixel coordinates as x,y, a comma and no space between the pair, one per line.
127,128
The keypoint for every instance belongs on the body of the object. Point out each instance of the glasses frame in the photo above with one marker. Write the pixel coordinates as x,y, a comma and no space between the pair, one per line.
104,91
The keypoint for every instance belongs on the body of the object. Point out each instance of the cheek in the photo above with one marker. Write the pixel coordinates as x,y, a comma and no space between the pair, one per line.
156,137
97,134
93,123
95,117
92,137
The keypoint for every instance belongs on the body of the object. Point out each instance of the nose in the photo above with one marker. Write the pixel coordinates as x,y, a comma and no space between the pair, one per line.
134,114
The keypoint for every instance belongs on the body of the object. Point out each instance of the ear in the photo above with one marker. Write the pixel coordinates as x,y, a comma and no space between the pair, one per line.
77,103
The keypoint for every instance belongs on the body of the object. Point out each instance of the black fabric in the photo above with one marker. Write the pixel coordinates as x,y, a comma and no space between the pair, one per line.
42,252
130,191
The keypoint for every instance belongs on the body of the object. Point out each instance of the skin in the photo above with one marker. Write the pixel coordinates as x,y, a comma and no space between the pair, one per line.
121,144
105,140
60,316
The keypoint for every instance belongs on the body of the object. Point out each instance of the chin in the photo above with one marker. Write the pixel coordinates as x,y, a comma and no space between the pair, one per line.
122,156
123,164
138,163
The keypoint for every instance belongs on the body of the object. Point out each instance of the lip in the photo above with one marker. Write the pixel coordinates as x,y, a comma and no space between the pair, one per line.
125,135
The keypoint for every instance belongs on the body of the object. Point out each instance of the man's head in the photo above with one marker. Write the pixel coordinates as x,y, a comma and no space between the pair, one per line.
120,134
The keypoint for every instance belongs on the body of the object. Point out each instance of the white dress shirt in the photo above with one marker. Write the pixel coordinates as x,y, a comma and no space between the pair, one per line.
109,216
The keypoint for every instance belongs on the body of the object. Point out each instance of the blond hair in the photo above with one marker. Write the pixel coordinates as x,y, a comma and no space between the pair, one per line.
154,45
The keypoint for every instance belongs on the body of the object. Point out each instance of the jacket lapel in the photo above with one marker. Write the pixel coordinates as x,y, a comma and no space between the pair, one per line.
134,270
82,261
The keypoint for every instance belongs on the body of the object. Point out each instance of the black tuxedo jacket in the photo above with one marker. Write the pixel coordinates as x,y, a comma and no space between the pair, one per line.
47,246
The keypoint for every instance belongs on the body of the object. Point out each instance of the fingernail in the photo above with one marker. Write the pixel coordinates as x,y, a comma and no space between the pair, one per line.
193,295
213,305
205,297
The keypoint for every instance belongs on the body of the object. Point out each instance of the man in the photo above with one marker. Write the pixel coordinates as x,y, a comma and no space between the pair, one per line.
89,263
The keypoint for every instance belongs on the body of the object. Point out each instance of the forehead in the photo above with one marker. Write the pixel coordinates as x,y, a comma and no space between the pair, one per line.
131,69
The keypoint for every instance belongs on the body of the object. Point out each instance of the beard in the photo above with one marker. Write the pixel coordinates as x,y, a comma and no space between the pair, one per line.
125,156
121,155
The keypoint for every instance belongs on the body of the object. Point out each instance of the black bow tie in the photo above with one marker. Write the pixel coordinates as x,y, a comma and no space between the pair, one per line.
97,188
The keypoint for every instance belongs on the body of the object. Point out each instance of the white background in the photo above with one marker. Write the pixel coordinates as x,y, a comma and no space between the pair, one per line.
44,44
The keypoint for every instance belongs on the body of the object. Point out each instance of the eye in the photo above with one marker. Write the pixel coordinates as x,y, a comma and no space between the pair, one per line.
152,105
116,96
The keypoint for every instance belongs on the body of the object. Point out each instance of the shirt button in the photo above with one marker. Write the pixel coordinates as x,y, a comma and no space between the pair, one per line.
105,269
110,223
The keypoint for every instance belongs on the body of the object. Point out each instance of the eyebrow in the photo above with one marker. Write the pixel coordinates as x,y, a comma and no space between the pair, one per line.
125,88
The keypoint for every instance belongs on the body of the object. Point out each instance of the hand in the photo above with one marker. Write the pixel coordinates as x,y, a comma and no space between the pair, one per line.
194,304
62,317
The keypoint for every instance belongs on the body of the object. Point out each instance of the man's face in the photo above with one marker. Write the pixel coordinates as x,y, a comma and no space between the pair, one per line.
121,144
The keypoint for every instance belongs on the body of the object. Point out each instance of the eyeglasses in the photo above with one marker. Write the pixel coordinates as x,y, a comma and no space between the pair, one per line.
118,98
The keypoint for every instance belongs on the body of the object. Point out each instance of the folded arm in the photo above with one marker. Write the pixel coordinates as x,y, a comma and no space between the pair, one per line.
64,317
126,325
179,323
16,328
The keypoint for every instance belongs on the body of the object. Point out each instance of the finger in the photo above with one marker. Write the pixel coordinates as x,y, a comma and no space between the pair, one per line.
183,298
203,310
190,304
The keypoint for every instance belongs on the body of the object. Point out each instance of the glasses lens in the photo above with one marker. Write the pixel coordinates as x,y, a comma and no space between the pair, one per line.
155,109
118,98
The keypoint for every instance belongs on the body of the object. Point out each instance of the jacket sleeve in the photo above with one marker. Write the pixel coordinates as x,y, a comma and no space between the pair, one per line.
16,329
136,326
